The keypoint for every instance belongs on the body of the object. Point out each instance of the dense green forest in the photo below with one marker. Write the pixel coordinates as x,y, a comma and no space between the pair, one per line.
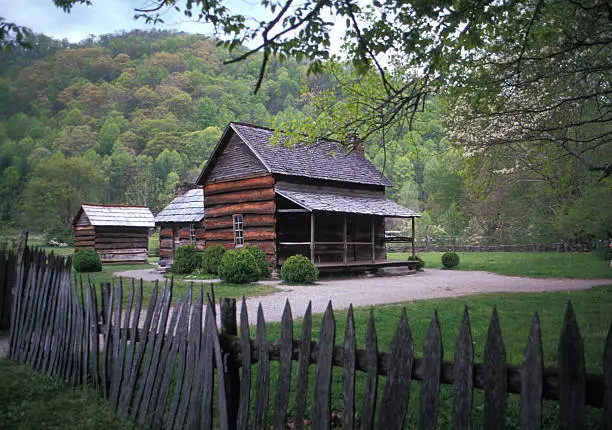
126,118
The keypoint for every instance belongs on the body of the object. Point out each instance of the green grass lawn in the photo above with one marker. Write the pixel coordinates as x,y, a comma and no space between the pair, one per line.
515,311
536,264
32,400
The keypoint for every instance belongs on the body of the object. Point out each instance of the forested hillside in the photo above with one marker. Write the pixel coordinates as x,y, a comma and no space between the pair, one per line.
122,119
126,118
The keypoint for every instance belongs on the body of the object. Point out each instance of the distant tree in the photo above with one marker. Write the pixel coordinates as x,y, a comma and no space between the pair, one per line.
55,190
75,140
107,137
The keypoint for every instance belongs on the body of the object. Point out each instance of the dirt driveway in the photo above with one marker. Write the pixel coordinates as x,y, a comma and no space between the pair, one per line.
430,284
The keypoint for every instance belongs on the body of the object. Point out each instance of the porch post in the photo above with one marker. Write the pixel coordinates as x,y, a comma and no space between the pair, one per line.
373,242
344,240
413,253
312,237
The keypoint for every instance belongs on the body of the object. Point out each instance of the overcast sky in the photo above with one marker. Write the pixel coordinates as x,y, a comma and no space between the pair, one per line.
102,17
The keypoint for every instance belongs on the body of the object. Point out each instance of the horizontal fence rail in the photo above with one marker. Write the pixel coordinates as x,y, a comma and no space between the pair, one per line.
167,364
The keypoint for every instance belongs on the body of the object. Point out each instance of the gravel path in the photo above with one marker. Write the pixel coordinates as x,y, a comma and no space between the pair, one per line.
430,284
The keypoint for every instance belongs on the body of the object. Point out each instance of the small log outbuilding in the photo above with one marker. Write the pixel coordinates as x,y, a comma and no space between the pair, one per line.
118,233
181,223
318,200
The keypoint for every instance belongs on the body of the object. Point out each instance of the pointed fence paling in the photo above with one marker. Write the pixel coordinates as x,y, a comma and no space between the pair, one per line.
158,365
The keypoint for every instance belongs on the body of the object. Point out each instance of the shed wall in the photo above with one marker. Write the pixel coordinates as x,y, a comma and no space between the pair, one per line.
122,244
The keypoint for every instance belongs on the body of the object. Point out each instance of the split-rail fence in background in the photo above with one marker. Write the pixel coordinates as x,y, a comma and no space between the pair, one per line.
169,367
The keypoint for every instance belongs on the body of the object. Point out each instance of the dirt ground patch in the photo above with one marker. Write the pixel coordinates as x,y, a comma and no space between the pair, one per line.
364,291
429,284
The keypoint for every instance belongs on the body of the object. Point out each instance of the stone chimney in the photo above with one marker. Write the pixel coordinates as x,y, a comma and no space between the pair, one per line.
355,143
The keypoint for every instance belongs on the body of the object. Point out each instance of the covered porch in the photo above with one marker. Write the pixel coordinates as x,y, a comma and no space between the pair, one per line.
338,231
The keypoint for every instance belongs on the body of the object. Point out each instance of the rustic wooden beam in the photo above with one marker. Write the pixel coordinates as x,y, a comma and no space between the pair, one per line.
373,241
259,235
255,195
344,237
413,252
312,237
241,208
241,184
594,383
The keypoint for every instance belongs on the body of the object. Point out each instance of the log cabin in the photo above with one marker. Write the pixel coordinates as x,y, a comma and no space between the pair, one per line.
180,223
118,233
320,200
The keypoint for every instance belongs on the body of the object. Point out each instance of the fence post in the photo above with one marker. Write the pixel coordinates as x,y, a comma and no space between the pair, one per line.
232,376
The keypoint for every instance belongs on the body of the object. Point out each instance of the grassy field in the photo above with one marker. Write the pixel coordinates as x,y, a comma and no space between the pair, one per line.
181,285
536,264
515,310
30,400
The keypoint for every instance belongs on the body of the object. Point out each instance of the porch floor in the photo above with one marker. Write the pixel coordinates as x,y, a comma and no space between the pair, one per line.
361,265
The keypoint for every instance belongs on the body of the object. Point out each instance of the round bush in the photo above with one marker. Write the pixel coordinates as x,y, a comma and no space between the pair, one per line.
299,270
86,260
260,259
211,258
450,259
186,260
238,267
419,262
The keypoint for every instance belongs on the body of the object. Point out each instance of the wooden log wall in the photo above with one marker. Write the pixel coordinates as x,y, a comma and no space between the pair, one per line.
159,364
253,198
122,244
113,244
173,235
166,242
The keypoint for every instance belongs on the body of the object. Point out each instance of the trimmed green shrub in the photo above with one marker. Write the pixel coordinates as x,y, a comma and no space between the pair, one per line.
211,258
260,259
86,260
450,259
419,262
186,260
238,267
299,270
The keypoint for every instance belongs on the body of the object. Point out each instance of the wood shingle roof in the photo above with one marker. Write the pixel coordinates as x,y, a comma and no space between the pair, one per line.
325,159
118,215
335,199
186,208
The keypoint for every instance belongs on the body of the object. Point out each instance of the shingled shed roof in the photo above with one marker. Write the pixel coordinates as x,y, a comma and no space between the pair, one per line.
324,159
332,199
118,215
188,207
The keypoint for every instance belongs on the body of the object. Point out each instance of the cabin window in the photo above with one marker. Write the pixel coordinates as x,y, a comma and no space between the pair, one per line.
238,231
192,234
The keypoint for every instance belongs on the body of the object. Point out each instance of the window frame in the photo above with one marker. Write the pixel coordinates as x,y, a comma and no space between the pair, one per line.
192,234
238,227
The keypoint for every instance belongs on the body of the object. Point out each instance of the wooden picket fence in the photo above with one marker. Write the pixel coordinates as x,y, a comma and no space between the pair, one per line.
8,262
169,367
